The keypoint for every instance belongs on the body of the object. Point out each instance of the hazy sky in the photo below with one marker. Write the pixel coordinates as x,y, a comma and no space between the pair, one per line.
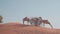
15,10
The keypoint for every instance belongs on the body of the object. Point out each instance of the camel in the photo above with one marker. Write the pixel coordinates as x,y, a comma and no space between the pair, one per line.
46,22
25,19
34,21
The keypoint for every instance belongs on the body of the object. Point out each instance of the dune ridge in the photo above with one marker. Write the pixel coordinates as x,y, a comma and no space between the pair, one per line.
17,28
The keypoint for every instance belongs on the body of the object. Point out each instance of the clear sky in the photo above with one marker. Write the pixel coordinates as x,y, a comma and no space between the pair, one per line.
15,10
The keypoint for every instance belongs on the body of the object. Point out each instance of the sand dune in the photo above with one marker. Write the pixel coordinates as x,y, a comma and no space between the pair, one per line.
17,28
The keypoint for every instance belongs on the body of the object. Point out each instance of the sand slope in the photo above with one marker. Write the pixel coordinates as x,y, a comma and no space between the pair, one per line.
16,28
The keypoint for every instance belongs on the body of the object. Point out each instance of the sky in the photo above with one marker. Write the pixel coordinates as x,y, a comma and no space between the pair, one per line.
16,10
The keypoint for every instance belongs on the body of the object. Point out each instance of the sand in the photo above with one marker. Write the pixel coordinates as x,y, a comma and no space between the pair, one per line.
17,28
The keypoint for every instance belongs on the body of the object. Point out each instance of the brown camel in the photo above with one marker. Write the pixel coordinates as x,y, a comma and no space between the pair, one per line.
25,19
46,22
34,21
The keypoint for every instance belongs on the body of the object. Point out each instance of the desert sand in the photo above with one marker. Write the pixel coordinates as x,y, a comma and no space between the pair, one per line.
17,28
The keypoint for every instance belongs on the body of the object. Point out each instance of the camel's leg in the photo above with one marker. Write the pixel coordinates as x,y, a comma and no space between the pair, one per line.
27,22
23,22
0,21
43,24
31,23
36,24
39,23
51,25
